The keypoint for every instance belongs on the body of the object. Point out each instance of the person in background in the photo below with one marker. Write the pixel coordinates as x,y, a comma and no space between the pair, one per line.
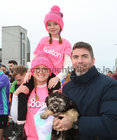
4,69
114,75
66,80
19,73
4,102
109,73
95,96
12,64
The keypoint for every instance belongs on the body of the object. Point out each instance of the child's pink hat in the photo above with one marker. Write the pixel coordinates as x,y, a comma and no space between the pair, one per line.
41,60
54,15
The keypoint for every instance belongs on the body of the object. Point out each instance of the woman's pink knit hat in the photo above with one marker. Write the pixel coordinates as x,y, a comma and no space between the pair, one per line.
41,60
54,15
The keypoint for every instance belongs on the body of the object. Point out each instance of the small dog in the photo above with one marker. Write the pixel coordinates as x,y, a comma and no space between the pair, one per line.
57,104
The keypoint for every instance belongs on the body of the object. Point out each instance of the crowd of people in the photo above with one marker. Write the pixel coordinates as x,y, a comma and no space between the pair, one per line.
23,92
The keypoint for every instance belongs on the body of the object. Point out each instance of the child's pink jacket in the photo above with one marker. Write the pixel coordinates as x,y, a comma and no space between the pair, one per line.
54,51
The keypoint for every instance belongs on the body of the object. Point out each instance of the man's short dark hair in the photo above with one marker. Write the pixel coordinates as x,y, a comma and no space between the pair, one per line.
19,70
12,61
3,66
83,45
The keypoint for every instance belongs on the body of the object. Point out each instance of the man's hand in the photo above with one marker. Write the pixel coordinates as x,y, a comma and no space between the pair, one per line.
62,124
22,89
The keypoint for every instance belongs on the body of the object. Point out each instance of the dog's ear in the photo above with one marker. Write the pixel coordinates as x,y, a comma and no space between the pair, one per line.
48,97
46,100
72,104
50,93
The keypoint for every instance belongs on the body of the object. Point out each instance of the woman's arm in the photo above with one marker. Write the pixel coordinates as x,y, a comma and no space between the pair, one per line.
14,108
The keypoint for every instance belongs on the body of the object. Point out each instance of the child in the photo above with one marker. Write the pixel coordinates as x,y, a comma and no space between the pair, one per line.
41,70
54,47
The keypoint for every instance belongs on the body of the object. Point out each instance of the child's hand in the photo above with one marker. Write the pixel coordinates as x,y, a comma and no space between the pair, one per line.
27,77
53,82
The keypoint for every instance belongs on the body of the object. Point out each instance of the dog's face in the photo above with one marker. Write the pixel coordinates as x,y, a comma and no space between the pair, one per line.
57,102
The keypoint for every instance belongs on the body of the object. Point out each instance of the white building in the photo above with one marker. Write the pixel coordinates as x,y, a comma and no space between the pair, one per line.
15,45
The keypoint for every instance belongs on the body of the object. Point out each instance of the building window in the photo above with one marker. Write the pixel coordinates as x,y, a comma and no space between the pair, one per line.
23,51
23,62
22,36
23,54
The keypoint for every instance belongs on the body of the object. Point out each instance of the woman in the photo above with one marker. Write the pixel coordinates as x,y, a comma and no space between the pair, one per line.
41,69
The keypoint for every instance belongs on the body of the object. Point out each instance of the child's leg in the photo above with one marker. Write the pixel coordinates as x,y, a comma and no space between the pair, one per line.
22,106
58,86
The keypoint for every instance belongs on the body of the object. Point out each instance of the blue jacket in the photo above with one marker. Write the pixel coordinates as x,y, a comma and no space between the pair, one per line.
4,94
95,96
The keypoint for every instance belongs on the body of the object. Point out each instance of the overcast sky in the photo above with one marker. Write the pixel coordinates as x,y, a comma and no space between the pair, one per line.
92,21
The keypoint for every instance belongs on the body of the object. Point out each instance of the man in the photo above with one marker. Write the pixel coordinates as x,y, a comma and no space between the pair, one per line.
110,73
4,69
12,64
19,73
95,96
4,102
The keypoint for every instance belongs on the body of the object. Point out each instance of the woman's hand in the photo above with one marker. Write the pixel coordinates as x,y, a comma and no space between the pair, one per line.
53,82
62,124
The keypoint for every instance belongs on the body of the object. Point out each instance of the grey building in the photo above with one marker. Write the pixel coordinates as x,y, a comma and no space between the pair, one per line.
15,45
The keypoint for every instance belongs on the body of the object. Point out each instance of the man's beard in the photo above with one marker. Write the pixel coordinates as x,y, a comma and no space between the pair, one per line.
80,71
79,74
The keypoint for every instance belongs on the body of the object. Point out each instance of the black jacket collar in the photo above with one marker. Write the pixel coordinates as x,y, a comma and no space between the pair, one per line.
85,78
